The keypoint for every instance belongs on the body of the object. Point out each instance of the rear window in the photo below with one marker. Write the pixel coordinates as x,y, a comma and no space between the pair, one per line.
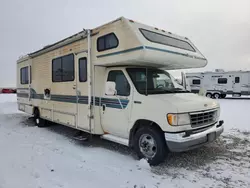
166,40
24,75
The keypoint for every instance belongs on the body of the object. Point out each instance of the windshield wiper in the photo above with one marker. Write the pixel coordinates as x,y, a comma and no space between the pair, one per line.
179,90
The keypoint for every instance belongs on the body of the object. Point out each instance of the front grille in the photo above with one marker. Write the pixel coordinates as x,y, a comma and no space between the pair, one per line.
199,119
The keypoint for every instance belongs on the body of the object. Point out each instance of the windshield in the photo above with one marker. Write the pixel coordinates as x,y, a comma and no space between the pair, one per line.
153,81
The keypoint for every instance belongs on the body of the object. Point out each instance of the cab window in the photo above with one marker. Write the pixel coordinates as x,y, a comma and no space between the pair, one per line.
122,85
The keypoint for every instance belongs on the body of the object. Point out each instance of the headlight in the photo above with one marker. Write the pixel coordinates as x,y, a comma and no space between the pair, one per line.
178,119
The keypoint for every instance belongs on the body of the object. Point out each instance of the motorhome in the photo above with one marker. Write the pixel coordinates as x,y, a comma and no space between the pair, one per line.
219,84
112,81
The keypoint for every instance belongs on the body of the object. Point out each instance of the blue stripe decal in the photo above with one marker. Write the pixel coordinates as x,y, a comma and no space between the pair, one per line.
149,48
110,103
121,52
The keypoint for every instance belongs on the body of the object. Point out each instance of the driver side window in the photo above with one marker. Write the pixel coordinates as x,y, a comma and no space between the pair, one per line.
122,85
163,81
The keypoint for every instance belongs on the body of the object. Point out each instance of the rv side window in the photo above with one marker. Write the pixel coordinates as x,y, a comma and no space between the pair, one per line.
122,85
196,82
107,42
237,79
83,69
222,80
166,40
24,75
63,69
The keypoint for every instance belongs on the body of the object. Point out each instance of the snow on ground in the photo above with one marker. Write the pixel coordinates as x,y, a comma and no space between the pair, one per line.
33,157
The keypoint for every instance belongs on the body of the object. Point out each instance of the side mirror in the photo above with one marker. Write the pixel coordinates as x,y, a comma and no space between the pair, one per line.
110,88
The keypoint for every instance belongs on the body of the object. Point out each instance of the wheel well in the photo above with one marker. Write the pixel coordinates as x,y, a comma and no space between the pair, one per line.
141,123
34,109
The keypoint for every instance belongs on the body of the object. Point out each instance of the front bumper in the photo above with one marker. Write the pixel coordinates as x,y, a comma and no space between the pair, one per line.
178,142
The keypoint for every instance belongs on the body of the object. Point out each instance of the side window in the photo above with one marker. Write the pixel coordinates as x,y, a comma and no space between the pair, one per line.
122,85
83,69
107,42
30,74
237,79
24,75
63,69
222,80
197,82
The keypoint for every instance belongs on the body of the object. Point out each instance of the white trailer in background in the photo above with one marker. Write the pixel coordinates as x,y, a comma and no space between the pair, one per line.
109,81
219,84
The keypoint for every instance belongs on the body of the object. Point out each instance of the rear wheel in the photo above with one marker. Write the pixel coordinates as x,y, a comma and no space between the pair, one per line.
209,95
38,120
216,95
149,143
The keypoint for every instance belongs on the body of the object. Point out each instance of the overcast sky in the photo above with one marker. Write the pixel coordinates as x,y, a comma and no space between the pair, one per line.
219,28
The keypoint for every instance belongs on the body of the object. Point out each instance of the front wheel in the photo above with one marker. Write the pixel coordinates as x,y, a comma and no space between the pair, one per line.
149,143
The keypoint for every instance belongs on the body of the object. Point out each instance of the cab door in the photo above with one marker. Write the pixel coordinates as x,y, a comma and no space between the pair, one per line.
82,91
115,111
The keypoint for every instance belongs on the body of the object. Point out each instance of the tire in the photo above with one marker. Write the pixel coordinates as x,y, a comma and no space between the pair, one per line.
216,95
149,134
223,96
39,121
209,95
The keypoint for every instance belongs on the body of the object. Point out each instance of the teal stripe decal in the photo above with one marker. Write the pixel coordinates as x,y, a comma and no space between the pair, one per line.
149,48
111,103
121,52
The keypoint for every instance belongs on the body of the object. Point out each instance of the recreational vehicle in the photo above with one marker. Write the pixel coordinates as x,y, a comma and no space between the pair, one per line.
112,81
219,84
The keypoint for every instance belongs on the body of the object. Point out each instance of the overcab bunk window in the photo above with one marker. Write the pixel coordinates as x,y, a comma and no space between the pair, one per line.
24,75
63,69
107,42
166,40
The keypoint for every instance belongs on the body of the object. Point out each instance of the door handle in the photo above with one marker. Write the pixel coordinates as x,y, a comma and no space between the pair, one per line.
103,107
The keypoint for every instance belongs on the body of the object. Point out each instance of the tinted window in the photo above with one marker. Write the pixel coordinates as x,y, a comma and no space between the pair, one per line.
57,70
166,40
83,69
197,82
222,80
151,81
122,85
237,79
107,42
24,75
63,69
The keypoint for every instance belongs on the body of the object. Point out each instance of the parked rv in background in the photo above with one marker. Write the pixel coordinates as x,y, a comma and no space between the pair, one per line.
219,84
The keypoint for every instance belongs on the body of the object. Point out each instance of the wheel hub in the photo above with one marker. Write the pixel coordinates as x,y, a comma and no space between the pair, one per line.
147,146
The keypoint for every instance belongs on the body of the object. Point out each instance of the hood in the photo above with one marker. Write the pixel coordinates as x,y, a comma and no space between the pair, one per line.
188,102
